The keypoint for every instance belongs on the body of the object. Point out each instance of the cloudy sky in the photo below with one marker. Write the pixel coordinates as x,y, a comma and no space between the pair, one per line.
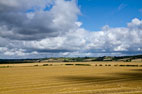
70,28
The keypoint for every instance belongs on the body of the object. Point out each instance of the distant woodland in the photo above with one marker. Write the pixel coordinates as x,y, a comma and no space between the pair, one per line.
136,58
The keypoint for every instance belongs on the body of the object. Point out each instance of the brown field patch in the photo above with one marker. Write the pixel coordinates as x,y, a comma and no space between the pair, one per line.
70,79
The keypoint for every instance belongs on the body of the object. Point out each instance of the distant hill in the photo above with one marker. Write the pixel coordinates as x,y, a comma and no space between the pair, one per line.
13,61
135,58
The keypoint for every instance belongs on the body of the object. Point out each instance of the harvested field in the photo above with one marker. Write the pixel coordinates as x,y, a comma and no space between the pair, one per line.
62,78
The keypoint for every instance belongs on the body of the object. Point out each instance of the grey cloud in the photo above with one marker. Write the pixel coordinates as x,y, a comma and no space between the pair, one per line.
57,32
110,40
22,25
80,42
22,5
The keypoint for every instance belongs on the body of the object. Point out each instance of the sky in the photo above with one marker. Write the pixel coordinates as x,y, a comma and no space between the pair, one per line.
70,28
115,13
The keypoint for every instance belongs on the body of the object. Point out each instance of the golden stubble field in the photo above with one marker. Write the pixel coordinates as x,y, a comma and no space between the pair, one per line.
62,79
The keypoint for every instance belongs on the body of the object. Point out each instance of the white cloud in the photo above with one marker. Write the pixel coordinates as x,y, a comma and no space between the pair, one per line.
57,32
78,24
40,22
110,40
122,6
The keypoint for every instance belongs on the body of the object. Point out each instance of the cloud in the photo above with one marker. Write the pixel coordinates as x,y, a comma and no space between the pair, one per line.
51,29
140,10
17,23
122,6
124,41
22,5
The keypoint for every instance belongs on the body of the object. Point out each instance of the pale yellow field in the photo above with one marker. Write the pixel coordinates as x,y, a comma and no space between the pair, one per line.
61,79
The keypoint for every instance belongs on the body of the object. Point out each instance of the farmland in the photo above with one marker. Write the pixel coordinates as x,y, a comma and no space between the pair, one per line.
71,78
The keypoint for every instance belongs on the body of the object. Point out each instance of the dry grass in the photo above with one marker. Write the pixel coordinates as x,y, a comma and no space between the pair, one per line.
62,79
137,60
